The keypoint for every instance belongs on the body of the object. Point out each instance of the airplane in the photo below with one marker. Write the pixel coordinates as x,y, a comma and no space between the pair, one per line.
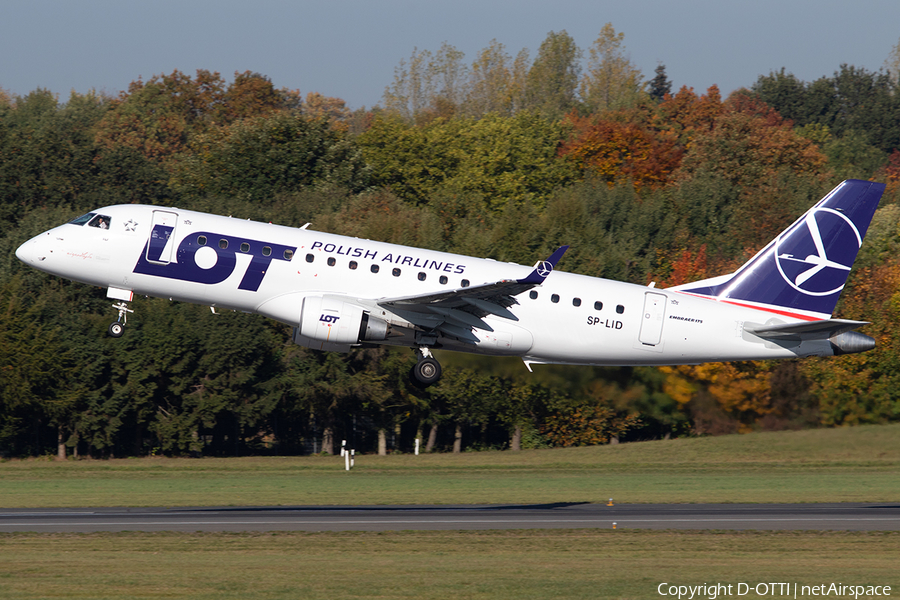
342,292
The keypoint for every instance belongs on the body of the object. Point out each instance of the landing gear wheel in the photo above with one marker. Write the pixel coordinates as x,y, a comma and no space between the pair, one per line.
118,327
427,371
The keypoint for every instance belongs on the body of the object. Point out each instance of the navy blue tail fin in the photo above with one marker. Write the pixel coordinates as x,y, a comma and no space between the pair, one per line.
801,272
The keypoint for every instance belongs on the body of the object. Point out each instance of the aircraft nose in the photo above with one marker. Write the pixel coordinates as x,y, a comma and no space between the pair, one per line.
32,252
25,252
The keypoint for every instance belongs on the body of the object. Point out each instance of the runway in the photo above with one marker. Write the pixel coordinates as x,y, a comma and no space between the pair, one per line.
846,517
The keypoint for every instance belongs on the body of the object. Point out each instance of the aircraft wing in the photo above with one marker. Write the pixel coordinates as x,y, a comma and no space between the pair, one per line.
456,312
811,330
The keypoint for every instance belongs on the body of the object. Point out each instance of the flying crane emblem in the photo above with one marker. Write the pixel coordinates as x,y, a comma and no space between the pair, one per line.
817,274
544,268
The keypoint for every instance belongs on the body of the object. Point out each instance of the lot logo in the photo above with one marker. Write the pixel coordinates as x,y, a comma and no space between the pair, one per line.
210,258
810,265
329,319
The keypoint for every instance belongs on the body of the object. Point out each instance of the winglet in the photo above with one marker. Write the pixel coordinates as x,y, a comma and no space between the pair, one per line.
544,268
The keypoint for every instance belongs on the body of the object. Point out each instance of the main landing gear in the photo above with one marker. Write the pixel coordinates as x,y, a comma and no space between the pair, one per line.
117,328
427,370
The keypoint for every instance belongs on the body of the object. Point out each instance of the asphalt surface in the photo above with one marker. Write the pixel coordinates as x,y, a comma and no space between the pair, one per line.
846,517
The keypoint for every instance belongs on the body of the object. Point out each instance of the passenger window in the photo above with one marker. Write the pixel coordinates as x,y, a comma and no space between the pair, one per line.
620,309
331,261
465,283
223,244
201,240
267,251
245,247
100,221
422,276
374,268
395,272
288,254
443,280
310,258
576,301
598,305
533,295
352,265
554,298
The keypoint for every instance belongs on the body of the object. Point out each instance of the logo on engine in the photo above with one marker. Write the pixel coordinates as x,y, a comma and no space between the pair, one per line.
328,318
815,256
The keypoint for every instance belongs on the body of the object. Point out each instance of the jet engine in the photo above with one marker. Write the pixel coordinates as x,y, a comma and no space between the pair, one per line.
332,323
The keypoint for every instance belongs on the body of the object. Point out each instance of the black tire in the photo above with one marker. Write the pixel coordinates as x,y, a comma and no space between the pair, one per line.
116,329
427,371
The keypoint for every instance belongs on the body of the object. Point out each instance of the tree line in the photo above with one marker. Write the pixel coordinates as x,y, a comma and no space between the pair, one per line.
505,157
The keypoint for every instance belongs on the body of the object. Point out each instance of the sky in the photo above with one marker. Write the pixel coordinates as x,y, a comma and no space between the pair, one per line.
350,48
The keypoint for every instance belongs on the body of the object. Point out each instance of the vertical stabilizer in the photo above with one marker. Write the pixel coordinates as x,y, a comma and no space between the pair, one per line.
802,272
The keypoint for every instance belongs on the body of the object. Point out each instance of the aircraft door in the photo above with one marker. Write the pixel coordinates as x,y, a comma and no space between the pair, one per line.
162,237
652,318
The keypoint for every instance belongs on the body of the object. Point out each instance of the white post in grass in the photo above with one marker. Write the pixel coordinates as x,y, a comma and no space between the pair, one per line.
346,460
352,457
343,447
417,446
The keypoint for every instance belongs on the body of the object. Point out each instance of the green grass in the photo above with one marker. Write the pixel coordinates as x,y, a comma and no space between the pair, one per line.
853,464
432,565
859,464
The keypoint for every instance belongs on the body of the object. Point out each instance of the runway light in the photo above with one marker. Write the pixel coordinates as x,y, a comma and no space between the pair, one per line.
610,502
614,524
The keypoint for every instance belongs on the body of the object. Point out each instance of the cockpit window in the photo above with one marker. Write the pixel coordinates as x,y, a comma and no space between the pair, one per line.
82,219
101,221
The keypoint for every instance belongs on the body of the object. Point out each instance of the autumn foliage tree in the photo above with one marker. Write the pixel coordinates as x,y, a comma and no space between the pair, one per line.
158,117
504,157
617,152
749,143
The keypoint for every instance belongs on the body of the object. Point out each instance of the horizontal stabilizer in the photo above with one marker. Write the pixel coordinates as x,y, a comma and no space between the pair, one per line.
810,330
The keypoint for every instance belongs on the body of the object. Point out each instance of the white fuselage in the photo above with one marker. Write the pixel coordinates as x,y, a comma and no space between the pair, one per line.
569,319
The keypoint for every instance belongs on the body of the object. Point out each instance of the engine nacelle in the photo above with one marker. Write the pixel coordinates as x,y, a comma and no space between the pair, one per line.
331,323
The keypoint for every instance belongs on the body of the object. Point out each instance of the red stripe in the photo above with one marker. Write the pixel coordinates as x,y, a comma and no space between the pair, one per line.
777,312
769,310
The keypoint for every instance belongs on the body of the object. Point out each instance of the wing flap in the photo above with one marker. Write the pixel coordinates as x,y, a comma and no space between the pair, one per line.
461,317
459,311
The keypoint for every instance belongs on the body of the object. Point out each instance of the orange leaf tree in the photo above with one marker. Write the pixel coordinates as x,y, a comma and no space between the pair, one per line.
617,152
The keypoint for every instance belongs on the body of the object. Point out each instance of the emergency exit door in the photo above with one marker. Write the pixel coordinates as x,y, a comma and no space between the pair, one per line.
652,318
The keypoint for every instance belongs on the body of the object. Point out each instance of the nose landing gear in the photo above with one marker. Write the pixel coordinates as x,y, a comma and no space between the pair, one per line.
427,370
117,327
